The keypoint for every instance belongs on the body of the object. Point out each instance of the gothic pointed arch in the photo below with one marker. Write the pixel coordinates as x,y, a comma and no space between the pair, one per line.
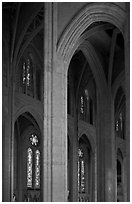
27,159
114,15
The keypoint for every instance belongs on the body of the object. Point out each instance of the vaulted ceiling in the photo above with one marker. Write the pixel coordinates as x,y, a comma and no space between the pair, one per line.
108,43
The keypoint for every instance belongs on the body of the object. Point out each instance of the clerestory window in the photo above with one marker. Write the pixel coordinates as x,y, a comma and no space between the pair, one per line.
29,82
86,107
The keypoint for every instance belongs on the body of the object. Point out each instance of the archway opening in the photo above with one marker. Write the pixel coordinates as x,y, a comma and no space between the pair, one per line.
81,111
27,160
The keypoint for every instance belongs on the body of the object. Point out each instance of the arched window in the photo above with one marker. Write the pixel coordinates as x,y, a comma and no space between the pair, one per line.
33,168
81,171
29,167
120,124
27,180
84,170
82,106
37,169
29,76
86,107
33,165
120,113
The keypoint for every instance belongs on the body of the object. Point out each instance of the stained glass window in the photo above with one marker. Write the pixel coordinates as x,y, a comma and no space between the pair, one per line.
80,153
28,72
24,73
82,105
37,169
34,140
29,167
82,177
27,75
86,107
81,172
117,125
120,125
78,176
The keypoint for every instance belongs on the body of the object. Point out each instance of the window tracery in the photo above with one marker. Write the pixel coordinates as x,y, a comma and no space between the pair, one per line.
34,140
120,125
27,76
29,73
29,167
37,169
24,73
29,81
81,172
82,105
120,113
86,107
33,163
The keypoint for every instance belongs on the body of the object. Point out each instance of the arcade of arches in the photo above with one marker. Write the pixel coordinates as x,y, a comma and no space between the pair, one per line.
66,102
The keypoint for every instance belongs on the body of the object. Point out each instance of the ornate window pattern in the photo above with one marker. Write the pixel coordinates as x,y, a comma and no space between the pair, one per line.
27,76
29,167
86,107
33,164
29,81
81,172
24,74
34,140
82,176
37,169
29,73
120,126
117,126
82,104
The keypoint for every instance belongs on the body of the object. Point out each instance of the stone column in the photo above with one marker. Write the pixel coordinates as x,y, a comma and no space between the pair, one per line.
105,148
6,158
95,176
127,83
59,134
47,131
55,113
100,151
124,177
74,163
110,152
